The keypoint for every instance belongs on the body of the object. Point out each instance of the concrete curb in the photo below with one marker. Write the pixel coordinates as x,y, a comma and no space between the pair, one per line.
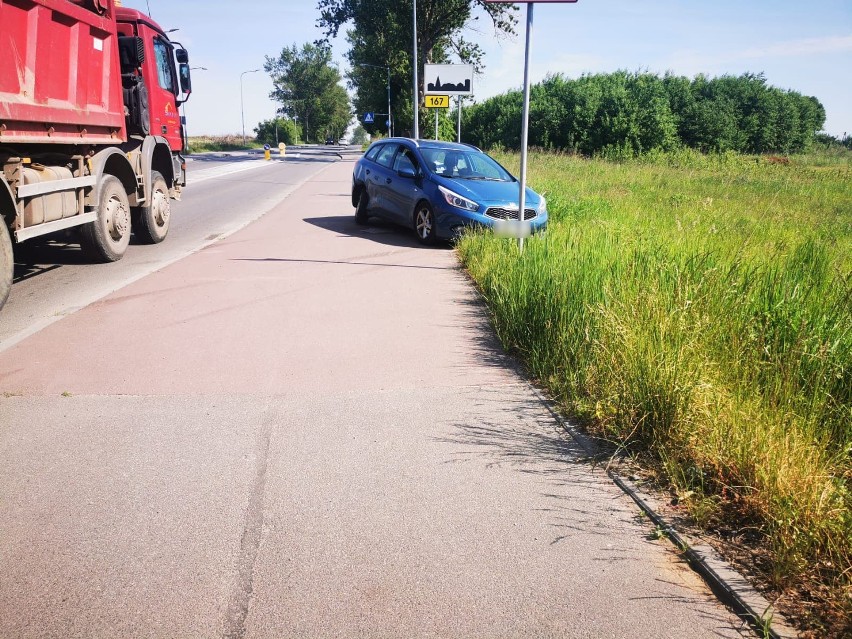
731,587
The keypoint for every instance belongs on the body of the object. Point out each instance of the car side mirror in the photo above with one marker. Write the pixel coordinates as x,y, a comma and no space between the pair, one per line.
407,172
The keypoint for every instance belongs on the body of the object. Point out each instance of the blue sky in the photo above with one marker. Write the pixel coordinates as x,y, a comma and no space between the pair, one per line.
804,46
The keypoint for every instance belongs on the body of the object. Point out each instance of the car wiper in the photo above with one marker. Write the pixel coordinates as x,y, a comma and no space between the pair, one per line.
483,178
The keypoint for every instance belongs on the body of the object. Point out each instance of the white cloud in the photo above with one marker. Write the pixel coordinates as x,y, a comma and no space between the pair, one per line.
698,62
811,46
505,67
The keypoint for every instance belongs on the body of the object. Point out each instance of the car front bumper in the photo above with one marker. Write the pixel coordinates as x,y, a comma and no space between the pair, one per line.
451,222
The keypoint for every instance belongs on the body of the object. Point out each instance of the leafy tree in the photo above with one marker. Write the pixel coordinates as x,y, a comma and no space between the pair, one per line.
360,135
381,35
309,90
277,130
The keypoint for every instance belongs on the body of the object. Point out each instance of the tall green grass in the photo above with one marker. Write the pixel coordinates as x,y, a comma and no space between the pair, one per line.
700,308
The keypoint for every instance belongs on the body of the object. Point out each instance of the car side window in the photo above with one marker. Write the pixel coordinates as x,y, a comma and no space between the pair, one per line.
372,153
405,160
385,156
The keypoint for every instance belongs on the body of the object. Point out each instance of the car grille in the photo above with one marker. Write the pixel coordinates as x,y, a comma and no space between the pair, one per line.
509,214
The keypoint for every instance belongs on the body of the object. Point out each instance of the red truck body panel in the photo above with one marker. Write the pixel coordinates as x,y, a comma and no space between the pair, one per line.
58,70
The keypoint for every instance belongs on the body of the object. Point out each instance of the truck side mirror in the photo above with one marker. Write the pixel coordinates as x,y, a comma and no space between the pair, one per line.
185,80
182,56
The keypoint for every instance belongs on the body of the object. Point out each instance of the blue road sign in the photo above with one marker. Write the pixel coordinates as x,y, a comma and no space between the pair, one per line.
369,118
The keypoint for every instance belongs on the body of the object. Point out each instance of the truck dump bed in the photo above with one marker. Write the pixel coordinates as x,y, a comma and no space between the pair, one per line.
60,78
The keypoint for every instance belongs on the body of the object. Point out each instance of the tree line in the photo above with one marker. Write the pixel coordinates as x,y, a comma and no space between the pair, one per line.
379,34
623,114
306,84
616,114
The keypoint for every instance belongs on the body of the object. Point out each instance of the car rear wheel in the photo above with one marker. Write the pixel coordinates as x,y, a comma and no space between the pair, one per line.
361,210
424,223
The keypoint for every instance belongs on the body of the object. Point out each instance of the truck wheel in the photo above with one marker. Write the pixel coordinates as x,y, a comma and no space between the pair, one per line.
7,262
106,239
151,222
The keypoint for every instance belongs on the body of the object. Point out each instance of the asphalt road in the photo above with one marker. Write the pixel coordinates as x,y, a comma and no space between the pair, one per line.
305,429
53,278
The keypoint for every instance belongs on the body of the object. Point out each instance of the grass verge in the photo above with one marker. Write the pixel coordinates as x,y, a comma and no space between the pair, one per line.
697,310
207,143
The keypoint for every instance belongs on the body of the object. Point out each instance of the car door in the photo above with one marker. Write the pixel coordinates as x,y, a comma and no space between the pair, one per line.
403,192
379,178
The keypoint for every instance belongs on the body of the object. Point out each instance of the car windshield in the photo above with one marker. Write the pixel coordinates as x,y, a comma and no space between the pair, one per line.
464,164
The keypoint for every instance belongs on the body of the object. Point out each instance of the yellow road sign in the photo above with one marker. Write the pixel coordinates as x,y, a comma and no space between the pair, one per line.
438,101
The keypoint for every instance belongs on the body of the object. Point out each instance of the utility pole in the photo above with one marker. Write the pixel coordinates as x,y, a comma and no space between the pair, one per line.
242,110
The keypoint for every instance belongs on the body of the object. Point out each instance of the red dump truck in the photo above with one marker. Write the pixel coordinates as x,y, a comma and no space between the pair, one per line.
90,134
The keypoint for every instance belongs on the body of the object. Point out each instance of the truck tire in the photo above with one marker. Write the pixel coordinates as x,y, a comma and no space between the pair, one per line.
106,239
151,222
7,262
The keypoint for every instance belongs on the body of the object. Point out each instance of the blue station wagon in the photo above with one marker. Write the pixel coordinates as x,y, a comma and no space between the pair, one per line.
438,189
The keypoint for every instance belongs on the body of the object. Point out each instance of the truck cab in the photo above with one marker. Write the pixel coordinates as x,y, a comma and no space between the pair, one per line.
167,85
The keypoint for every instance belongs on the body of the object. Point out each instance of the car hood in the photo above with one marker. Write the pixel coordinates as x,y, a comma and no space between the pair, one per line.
488,192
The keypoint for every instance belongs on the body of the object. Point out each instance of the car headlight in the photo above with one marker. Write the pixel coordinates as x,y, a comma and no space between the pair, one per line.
456,200
542,206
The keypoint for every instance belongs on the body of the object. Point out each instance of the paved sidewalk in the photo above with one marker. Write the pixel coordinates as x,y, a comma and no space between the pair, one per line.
309,430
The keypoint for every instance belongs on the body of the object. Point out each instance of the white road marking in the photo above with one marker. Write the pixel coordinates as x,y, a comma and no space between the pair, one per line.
218,171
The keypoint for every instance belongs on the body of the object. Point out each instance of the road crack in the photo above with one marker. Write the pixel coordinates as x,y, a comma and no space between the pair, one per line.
238,606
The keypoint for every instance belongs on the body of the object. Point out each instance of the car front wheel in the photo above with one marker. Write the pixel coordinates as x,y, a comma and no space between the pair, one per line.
424,223
361,210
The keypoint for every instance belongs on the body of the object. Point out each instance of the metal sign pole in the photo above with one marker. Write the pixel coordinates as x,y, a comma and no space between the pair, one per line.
525,125
390,119
436,124
416,121
458,128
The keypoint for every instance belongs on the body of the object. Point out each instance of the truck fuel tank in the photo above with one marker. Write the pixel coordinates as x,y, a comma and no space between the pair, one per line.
50,206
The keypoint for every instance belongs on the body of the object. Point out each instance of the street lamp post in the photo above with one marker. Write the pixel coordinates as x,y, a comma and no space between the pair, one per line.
382,66
242,110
